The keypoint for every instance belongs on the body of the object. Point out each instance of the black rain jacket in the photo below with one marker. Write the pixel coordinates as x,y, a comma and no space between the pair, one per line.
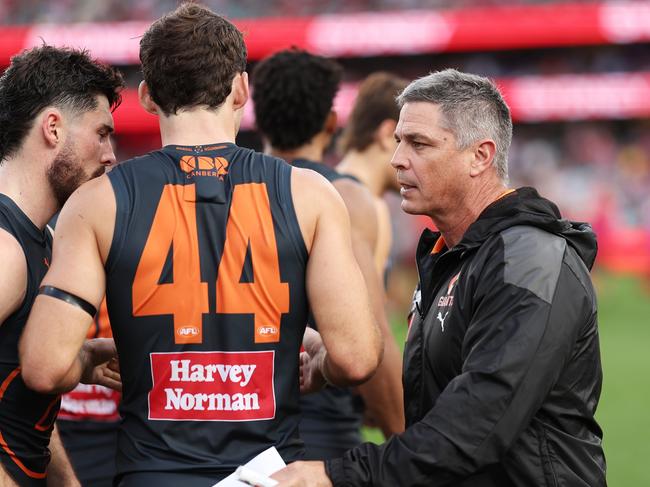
502,369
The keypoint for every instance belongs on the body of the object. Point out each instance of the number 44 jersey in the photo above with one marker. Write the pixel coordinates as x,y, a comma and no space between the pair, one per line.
206,297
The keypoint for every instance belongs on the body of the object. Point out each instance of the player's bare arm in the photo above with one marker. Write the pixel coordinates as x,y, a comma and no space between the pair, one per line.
81,244
383,393
335,285
384,236
14,275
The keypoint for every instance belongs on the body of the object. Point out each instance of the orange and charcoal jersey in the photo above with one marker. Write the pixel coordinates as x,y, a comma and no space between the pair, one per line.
91,402
26,417
206,295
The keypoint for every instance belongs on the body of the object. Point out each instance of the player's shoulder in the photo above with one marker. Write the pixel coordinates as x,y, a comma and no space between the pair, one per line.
91,200
357,197
312,182
13,278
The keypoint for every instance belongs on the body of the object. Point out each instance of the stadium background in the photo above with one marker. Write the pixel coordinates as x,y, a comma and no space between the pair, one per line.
576,75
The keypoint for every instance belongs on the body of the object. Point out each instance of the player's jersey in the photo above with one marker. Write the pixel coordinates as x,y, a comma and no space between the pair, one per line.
207,301
26,417
332,417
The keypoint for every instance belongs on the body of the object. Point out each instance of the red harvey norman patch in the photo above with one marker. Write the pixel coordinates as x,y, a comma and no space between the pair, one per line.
212,386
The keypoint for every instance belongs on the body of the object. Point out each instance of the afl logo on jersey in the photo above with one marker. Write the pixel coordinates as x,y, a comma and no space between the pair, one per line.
268,330
204,166
188,331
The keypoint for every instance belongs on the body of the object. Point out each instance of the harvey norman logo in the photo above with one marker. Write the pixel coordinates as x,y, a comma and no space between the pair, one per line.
204,166
212,386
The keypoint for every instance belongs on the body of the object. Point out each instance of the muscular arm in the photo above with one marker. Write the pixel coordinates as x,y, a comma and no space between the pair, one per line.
59,471
77,267
335,286
382,394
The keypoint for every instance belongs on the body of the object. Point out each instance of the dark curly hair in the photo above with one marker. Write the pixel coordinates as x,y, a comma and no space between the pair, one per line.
190,57
50,76
293,92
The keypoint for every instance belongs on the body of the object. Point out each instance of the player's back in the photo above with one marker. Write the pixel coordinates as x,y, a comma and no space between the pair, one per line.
26,417
206,296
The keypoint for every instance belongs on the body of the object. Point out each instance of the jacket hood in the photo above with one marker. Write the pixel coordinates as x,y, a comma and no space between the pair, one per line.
525,206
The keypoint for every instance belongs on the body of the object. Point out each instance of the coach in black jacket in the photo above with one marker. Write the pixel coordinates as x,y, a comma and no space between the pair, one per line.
502,369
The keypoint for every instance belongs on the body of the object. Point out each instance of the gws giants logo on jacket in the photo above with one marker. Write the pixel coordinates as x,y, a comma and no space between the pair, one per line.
446,301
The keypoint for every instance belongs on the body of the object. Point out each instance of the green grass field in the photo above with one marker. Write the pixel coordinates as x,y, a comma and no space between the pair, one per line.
624,409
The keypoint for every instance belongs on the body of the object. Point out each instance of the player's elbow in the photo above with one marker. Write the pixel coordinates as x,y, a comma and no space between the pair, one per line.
37,375
38,379
360,365
362,371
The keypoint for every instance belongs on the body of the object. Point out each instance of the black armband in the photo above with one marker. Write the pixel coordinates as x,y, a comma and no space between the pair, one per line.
57,293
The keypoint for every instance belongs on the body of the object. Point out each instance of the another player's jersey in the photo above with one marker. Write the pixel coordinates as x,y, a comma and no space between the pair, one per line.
26,417
332,417
207,301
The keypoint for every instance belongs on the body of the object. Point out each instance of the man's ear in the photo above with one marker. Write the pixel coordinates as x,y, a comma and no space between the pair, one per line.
385,134
484,152
330,123
145,99
240,91
52,126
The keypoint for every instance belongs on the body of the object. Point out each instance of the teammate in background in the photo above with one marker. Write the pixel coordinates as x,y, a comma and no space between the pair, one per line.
293,93
502,370
55,126
208,254
88,421
368,144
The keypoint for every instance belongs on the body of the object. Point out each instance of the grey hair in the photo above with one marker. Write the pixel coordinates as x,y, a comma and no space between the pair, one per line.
473,109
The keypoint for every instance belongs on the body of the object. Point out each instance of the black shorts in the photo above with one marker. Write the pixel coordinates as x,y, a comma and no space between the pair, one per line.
22,475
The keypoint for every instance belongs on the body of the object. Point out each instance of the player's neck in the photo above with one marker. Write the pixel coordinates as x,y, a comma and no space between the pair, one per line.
198,126
27,185
365,166
453,223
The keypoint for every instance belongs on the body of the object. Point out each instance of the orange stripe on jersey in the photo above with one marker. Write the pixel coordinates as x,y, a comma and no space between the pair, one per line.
12,375
44,427
30,473
16,460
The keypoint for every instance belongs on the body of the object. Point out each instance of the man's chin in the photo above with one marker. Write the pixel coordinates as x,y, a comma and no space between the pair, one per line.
408,207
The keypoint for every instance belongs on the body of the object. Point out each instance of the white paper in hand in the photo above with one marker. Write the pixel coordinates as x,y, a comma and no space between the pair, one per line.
266,463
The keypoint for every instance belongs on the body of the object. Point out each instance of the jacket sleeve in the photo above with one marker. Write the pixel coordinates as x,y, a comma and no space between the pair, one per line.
526,310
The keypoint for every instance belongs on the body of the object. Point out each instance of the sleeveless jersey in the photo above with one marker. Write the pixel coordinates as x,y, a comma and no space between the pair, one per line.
207,302
26,417
332,418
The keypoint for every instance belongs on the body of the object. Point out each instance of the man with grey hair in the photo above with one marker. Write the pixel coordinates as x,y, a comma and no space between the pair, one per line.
502,369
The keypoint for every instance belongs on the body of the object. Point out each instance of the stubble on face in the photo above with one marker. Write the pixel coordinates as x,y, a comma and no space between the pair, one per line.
66,173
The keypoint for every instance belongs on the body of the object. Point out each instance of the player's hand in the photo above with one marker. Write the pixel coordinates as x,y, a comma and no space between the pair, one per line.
303,474
100,364
311,360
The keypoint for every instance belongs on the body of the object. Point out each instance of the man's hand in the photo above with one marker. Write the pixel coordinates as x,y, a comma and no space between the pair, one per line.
100,366
311,362
303,474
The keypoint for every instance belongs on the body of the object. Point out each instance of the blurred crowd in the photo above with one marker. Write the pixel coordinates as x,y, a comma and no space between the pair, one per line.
31,11
597,171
